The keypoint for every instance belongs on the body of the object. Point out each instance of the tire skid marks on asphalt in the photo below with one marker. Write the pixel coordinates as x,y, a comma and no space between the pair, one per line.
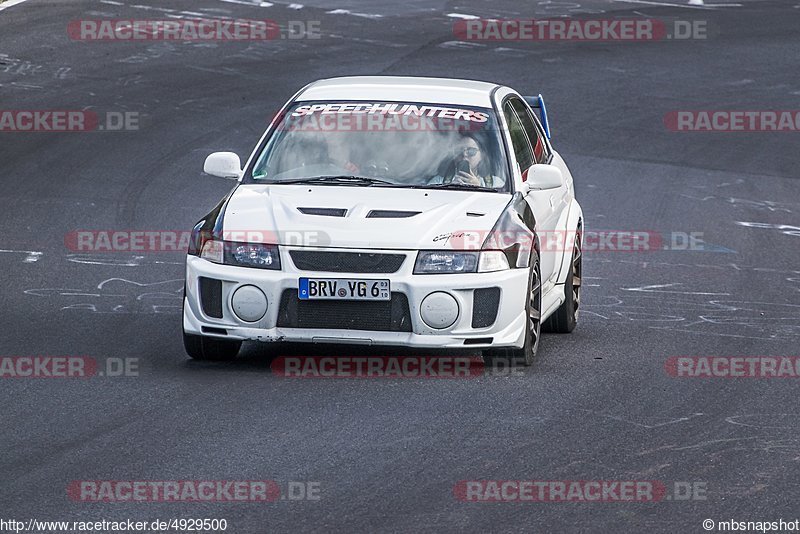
793,273
671,308
751,319
765,422
785,229
516,52
789,421
761,205
643,425
153,51
33,256
187,13
375,42
119,295
661,288
548,8
15,66
116,261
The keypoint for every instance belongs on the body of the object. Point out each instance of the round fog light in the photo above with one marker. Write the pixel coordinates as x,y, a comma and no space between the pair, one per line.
249,303
439,310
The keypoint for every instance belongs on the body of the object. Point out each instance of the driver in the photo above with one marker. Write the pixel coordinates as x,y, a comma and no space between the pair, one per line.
470,165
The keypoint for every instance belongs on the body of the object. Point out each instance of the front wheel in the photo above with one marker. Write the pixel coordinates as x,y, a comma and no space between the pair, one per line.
210,348
565,318
524,356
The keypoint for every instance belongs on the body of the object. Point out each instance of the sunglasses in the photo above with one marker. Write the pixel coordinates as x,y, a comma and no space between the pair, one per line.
469,151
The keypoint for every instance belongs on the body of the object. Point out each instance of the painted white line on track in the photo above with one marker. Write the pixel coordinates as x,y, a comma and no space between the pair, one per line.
462,16
245,3
9,3
31,256
690,6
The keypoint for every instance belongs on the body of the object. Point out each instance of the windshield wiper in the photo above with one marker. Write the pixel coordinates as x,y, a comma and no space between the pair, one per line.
337,180
462,187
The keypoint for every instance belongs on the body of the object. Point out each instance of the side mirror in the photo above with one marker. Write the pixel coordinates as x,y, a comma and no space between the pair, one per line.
223,164
541,176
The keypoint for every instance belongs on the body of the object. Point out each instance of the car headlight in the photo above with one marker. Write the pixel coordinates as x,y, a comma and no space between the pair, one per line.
492,260
449,262
257,255
443,261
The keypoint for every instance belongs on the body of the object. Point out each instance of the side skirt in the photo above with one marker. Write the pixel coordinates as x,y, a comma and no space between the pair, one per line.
552,298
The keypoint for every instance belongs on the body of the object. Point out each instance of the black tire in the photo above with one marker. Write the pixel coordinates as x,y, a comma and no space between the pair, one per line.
210,348
565,318
510,357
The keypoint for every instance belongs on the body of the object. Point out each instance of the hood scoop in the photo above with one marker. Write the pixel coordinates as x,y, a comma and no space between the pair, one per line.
391,214
325,212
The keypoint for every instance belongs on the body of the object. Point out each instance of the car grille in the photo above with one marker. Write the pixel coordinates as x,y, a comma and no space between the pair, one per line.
384,315
346,262
485,303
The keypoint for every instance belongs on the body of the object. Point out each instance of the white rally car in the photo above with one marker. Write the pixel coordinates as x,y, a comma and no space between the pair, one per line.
420,212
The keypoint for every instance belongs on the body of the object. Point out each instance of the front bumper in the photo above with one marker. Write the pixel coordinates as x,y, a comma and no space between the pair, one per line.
507,329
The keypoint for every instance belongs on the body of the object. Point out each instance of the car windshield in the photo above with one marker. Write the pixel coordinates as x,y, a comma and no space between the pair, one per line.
385,144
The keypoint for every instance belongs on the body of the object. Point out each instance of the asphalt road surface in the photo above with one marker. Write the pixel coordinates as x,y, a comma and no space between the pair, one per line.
384,455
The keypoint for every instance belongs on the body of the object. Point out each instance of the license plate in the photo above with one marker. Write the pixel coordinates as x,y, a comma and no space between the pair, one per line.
343,289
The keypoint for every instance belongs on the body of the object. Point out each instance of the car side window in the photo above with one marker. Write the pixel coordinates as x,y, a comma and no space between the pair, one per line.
540,152
522,149
546,149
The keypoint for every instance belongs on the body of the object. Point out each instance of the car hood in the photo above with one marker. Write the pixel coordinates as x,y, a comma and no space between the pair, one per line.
361,217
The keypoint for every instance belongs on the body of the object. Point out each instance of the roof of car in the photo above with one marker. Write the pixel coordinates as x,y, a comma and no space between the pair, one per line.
401,89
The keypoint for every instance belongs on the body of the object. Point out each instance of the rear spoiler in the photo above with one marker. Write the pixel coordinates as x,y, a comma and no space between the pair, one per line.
537,102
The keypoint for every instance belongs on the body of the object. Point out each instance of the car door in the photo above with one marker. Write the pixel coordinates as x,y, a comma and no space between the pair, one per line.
558,241
547,205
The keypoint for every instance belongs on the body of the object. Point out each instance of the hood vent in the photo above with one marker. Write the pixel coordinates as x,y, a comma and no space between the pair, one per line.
391,214
326,212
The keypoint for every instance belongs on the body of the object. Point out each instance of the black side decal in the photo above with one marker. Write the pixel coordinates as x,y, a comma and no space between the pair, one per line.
210,226
514,233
